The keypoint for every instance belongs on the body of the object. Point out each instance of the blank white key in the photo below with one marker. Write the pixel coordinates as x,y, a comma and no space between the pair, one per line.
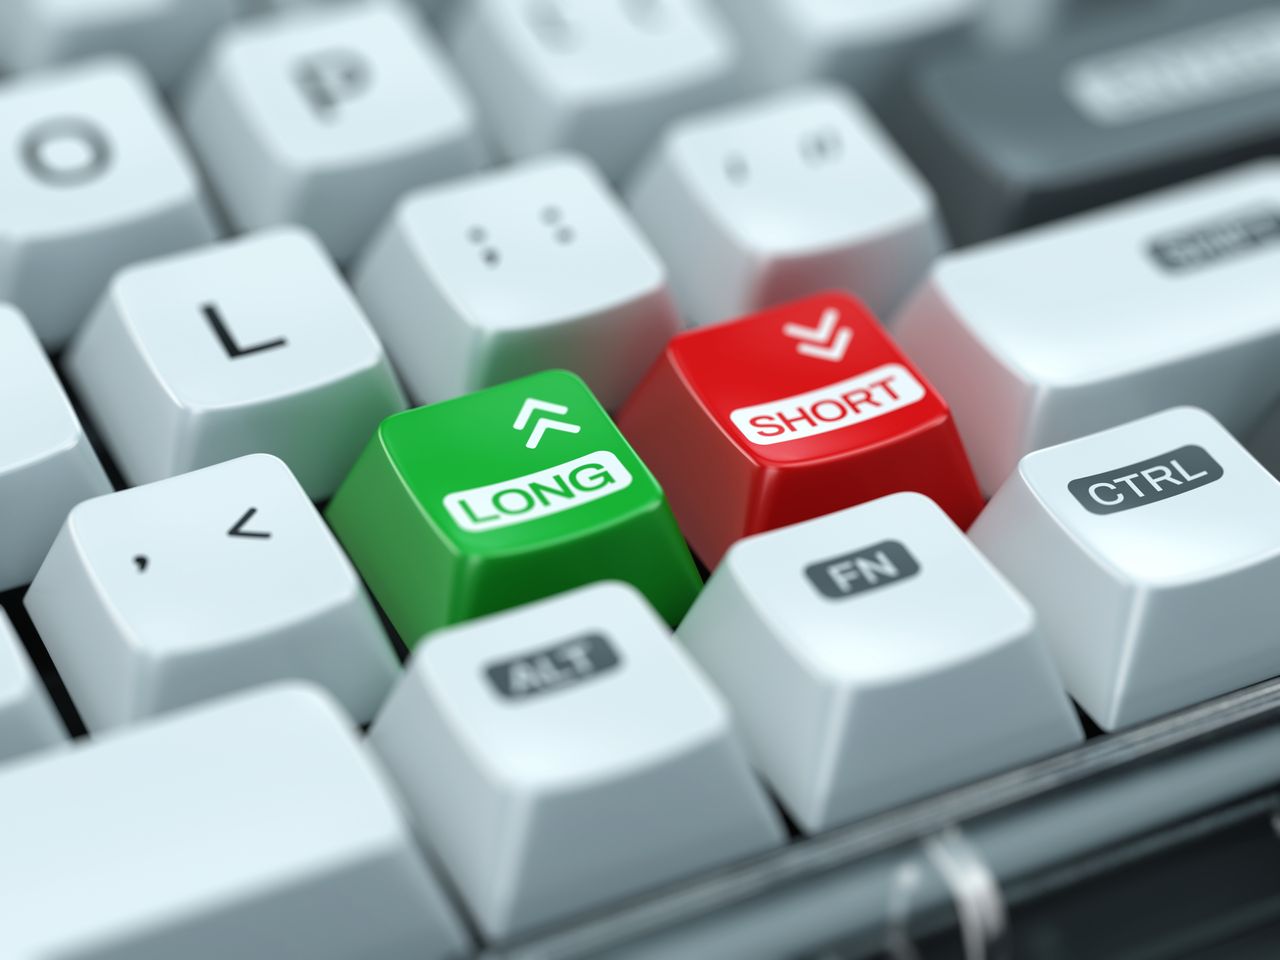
28,720
784,197
255,827
864,44
536,266
325,117
873,657
46,463
1054,333
251,346
163,595
163,35
585,759
1151,551
598,76
92,177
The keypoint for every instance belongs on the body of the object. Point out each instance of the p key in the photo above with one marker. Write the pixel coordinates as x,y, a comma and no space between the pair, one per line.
1150,552
790,414
872,657
505,496
574,736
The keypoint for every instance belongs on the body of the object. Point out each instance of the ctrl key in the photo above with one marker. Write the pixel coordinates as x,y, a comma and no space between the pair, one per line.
255,827
1152,552
566,754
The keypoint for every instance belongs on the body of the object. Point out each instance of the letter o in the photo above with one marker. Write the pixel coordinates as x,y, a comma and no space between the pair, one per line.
841,410
66,152
525,502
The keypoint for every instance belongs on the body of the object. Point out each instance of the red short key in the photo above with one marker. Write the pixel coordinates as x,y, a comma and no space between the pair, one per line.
790,414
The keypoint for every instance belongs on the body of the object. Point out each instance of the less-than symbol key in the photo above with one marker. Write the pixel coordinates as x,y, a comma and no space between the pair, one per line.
827,341
542,423
238,529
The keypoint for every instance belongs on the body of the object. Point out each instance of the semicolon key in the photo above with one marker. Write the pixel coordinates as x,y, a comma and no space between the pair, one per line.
505,496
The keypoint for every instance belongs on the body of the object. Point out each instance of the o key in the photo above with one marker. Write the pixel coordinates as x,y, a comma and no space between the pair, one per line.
790,414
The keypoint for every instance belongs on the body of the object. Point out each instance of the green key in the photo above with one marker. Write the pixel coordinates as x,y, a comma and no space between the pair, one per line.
505,496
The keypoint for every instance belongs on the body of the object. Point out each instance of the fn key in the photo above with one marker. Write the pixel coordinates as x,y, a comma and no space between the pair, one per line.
1115,105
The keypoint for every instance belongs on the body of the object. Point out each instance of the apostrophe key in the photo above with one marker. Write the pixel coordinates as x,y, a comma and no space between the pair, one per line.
790,414
505,496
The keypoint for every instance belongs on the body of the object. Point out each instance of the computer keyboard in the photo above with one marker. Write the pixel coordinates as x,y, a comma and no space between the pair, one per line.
639,479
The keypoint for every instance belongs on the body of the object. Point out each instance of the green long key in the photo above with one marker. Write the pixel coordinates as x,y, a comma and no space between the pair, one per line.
505,496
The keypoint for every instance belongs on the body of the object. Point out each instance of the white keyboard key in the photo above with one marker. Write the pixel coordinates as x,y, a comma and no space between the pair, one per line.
256,827
325,117
788,196
92,178
46,463
864,44
252,346
1151,552
186,589
873,657
533,267
1070,328
597,76
586,759
28,720
163,35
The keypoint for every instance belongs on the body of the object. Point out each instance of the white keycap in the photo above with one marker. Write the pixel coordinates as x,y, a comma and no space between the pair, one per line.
598,76
864,44
28,720
1070,328
873,657
256,827
46,463
92,177
326,117
1151,552
784,197
186,589
251,346
163,35
533,267
586,759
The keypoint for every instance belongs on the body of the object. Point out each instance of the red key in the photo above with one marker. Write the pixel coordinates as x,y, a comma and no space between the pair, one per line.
790,414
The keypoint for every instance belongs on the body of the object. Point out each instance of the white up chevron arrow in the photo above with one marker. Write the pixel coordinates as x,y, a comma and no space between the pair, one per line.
542,424
827,341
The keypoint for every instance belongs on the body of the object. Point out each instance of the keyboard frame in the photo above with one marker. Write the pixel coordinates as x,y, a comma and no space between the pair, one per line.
681,921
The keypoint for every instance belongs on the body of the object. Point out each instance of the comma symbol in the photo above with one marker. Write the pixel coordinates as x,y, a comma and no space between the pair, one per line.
141,562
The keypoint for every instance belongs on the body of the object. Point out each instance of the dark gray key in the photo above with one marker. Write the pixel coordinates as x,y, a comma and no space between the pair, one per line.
1118,102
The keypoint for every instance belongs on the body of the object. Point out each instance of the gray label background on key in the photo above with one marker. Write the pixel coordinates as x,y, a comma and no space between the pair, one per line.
1223,239
862,570
1191,468
553,668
